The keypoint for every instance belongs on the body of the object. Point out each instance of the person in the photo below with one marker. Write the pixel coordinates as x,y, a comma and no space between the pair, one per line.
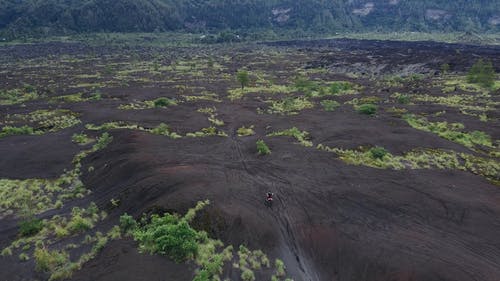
269,196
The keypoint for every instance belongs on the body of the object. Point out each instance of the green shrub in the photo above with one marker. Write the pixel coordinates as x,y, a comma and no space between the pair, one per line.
262,148
81,139
280,268
378,152
163,102
103,141
79,224
338,87
247,275
330,105
445,68
30,227
127,223
482,73
403,99
9,131
48,261
303,84
168,235
243,131
367,108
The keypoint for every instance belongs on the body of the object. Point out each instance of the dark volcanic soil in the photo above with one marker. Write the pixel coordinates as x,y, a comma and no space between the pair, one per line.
330,220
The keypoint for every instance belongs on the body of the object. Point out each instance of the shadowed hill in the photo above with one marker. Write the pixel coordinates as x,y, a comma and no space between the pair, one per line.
58,16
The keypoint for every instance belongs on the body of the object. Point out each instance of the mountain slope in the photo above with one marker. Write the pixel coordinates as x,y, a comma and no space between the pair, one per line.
18,16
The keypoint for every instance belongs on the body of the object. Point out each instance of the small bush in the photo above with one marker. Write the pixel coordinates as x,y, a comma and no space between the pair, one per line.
48,261
403,99
81,139
30,227
170,236
163,102
280,268
247,275
367,108
79,224
378,152
330,105
127,223
262,148
243,131
338,87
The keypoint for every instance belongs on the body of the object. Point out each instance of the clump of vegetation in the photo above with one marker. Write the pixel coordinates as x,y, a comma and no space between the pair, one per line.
330,105
17,96
43,120
378,152
244,131
289,105
243,78
212,115
367,108
445,68
12,131
301,136
207,132
482,73
30,227
262,148
168,235
450,131
203,97
161,102
161,129
49,261
401,98
421,159
81,139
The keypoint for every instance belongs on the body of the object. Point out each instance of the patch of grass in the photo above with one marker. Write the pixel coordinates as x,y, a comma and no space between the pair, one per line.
262,148
421,159
289,105
450,131
203,97
207,132
13,131
49,261
401,98
44,121
301,136
81,139
161,129
244,131
367,109
262,89
330,105
17,96
161,102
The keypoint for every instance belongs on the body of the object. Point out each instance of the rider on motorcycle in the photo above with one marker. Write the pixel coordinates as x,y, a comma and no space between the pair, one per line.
269,196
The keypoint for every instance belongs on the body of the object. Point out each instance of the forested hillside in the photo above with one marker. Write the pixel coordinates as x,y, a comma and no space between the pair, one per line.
67,16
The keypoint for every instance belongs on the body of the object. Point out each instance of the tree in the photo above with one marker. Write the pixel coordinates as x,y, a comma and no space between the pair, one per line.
242,77
482,73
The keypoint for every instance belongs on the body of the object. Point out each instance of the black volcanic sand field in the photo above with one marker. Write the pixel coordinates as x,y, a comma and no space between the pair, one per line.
339,213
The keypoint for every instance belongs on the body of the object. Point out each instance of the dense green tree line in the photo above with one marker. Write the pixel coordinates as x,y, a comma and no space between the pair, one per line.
63,16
